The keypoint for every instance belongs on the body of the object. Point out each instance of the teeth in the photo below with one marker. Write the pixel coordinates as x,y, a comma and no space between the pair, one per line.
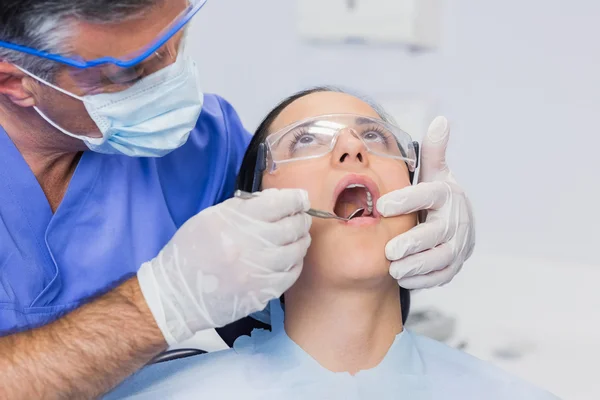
355,185
369,196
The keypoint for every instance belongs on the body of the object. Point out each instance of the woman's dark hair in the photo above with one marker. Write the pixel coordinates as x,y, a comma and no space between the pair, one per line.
246,174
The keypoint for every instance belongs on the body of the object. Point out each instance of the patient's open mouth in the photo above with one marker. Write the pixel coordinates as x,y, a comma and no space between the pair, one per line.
354,201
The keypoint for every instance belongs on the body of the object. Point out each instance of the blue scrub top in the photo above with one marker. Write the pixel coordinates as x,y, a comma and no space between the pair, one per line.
118,212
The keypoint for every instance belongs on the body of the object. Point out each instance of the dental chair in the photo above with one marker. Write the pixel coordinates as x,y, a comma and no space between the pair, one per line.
228,333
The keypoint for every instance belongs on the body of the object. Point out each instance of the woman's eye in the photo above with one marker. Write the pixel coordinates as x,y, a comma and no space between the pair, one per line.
306,139
372,136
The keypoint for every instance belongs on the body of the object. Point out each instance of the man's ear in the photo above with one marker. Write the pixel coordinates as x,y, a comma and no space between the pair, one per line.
11,85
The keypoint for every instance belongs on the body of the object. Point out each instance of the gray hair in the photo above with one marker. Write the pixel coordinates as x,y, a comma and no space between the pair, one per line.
47,24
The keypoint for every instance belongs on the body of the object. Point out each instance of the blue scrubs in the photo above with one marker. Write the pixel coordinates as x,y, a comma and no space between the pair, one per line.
118,212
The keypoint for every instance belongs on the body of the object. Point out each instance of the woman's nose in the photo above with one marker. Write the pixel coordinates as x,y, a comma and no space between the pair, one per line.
349,148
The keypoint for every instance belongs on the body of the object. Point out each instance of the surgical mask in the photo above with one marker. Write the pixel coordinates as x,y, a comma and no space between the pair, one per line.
150,119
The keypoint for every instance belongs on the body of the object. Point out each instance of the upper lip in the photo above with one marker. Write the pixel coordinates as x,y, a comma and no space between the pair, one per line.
357,179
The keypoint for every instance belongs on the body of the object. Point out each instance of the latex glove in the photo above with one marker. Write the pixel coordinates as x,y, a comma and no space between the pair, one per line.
433,252
227,262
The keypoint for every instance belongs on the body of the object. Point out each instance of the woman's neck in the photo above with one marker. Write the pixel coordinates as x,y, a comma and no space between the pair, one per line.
345,330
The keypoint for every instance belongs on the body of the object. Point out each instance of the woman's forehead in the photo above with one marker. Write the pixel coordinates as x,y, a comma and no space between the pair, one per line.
322,103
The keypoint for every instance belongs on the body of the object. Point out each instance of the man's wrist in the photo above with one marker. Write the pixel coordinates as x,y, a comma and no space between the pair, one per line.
131,294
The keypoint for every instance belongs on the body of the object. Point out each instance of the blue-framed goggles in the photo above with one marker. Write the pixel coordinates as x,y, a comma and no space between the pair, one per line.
115,73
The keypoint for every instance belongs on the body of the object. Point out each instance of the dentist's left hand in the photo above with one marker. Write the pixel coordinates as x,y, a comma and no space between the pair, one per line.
434,251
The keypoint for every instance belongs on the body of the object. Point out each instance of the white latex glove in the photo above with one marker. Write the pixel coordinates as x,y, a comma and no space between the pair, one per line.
227,262
433,252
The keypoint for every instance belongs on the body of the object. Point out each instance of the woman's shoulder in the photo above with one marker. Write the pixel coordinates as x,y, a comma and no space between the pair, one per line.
453,369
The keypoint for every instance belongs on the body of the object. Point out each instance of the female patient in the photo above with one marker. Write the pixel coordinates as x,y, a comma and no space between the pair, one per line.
342,336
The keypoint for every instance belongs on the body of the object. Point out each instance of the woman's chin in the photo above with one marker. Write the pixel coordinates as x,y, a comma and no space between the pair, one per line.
353,269
376,280
350,255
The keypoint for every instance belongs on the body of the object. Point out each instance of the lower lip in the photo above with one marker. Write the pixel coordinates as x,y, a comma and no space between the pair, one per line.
362,221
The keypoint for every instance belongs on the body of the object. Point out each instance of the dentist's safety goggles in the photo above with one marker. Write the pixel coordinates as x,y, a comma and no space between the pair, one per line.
114,74
317,136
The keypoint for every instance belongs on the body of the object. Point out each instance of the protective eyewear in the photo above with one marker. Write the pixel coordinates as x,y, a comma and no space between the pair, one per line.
317,136
111,74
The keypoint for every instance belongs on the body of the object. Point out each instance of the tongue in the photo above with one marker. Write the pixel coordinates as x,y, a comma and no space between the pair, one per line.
349,201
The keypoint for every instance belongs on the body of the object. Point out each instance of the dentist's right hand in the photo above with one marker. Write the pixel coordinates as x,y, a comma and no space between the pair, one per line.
227,262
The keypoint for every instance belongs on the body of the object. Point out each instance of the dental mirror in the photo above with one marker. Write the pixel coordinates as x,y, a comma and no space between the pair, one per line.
315,213
358,213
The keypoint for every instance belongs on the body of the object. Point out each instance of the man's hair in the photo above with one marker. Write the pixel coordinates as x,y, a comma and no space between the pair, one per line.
246,173
46,25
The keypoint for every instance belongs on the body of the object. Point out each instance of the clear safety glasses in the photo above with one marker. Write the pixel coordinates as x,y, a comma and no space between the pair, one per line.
111,73
317,136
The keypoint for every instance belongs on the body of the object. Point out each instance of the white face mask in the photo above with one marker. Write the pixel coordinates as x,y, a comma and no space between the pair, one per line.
150,119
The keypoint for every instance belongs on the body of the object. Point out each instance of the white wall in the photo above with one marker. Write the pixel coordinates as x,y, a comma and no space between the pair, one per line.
519,81
544,314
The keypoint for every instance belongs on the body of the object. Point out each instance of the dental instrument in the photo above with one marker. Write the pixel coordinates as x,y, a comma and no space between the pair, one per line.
312,212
